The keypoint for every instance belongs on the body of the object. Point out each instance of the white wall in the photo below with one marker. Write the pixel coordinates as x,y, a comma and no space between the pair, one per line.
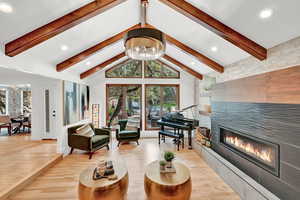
98,95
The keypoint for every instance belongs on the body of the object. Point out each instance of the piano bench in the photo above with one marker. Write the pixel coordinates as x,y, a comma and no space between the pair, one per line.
179,137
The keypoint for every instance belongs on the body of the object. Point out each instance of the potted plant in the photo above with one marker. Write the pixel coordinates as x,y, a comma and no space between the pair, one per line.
169,156
162,165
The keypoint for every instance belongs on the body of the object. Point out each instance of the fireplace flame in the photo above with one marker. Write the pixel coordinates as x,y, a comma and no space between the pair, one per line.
263,154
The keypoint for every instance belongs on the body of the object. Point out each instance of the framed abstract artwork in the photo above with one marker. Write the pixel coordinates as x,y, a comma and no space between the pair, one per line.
70,102
84,98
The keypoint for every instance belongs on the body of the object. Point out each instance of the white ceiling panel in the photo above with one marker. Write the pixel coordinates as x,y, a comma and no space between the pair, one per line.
174,66
243,16
193,34
97,58
187,59
86,34
28,15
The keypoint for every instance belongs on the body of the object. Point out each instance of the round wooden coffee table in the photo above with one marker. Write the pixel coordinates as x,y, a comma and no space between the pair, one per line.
170,186
103,189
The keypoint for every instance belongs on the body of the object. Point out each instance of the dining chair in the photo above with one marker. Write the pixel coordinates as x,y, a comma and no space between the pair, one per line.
27,124
5,123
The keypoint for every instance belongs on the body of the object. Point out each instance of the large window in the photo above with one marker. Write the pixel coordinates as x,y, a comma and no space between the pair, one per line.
160,99
123,102
133,69
127,69
27,99
158,69
3,102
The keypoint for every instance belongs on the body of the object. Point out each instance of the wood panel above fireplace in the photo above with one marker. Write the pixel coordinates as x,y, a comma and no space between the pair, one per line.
282,86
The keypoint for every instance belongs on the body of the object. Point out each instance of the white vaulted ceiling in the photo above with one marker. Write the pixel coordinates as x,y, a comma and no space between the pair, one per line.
98,58
241,15
192,34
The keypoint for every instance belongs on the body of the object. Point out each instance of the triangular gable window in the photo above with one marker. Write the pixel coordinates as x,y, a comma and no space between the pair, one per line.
127,69
158,69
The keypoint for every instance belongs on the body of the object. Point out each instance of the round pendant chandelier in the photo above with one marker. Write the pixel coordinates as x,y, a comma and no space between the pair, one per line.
144,43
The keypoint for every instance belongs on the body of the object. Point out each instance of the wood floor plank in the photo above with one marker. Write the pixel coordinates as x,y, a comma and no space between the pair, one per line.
22,160
61,181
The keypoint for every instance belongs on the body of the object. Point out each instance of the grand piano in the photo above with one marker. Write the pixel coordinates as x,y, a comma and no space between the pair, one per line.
176,123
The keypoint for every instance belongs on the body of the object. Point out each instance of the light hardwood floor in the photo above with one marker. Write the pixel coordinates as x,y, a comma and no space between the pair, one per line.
22,159
60,182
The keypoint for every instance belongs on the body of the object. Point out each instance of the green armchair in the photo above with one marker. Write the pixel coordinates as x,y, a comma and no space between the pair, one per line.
124,135
90,144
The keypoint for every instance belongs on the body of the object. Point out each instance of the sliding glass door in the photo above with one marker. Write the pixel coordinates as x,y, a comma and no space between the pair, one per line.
123,102
160,99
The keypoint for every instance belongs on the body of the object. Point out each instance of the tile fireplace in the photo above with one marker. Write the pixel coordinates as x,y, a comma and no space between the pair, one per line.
260,152
262,140
255,125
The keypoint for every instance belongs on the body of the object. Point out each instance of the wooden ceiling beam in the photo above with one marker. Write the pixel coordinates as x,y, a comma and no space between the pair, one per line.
59,25
202,58
92,50
183,67
101,66
218,27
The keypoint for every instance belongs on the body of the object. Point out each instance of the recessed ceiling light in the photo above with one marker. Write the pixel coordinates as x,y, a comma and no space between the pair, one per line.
64,47
6,8
192,63
214,49
88,63
266,13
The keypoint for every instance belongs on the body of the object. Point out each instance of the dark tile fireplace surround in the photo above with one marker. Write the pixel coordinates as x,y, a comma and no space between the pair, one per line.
260,152
256,127
262,140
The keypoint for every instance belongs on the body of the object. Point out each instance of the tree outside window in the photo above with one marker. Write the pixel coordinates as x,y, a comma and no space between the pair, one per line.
3,102
124,102
133,69
160,99
27,102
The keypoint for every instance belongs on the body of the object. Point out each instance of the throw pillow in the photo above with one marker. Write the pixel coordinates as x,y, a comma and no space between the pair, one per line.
85,130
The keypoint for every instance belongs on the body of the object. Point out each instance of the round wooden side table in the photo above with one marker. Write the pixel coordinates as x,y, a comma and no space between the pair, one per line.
103,189
167,186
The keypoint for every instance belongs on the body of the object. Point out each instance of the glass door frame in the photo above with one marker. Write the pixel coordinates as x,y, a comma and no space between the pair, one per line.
145,101
123,85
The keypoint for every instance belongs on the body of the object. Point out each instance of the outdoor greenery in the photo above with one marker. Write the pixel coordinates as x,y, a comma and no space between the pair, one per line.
27,102
127,69
157,69
124,102
2,101
133,69
160,99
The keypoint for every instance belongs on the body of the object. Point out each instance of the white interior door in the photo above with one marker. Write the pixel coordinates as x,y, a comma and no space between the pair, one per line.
50,114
